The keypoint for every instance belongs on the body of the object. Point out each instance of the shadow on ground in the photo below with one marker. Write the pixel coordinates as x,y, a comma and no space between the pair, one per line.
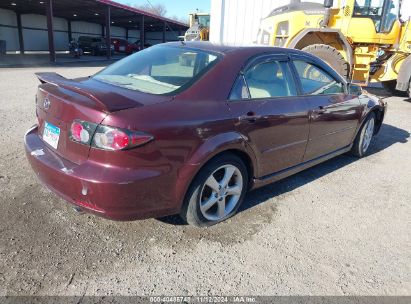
381,92
388,136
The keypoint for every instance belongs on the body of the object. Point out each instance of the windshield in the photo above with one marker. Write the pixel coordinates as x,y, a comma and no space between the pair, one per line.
204,20
158,70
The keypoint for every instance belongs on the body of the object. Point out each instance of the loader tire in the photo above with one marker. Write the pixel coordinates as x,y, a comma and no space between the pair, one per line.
330,55
390,87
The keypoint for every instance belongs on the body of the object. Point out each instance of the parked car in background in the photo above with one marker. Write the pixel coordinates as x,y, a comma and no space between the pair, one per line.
123,46
94,45
151,135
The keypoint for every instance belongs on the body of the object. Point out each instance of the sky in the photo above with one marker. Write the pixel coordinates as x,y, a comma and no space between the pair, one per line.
179,8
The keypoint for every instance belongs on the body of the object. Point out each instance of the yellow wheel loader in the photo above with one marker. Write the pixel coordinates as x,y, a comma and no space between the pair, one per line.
199,27
364,40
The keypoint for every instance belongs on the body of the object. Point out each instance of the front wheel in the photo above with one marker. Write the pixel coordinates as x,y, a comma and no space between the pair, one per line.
217,192
363,140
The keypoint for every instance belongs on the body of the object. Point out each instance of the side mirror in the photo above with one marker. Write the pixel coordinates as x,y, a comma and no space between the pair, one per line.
354,89
328,3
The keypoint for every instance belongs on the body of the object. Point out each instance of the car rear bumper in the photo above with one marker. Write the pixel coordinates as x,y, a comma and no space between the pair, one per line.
111,192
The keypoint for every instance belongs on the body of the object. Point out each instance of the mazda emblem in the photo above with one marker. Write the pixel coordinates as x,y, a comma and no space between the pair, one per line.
46,104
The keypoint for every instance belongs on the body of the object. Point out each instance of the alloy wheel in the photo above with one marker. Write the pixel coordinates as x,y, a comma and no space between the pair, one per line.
221,193
368,134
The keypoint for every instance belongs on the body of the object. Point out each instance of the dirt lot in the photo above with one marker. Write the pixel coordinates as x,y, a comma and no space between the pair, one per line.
340,228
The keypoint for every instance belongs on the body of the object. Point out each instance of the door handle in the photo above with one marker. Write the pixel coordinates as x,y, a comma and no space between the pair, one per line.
251,117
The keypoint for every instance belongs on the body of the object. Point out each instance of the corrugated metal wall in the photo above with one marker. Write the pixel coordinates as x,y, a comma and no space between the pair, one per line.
35,33
237,21
36,37
8,29
81,28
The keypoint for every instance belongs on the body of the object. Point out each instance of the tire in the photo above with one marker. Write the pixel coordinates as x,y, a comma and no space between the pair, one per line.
330,55
364,137
390,87
195,211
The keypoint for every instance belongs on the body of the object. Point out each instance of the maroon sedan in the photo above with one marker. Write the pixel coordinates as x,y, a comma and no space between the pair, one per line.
188,128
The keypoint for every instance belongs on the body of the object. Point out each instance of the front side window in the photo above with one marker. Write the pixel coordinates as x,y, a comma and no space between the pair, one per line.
391,16
158,70
270,79
315,81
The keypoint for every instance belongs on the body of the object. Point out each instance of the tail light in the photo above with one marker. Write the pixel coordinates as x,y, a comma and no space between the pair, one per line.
82,131
105,137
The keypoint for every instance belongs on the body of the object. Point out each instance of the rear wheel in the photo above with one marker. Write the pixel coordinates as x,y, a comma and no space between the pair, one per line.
217,192
363,140
330,55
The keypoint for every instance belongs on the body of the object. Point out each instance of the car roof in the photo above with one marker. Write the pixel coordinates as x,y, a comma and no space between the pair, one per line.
227,48
249,51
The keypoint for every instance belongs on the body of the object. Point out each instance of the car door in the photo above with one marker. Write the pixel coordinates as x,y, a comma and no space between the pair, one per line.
334,114
269,113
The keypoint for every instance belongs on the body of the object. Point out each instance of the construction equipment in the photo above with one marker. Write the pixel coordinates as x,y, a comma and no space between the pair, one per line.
364,40
199,27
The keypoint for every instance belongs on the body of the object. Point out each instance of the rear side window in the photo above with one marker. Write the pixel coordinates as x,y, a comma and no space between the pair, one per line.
270,79
315,81
240,90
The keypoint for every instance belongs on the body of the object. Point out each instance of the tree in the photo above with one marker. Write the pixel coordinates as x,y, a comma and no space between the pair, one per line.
156,9
180,19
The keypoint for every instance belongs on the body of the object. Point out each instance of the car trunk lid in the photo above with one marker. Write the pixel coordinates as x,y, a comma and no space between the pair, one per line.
60,101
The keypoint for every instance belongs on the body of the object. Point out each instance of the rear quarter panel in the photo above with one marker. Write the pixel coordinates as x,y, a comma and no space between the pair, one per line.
371,103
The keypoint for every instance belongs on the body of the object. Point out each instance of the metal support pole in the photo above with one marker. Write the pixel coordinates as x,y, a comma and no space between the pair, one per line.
70,34
164,31
142,33
20,30
108,32
127,34
50,29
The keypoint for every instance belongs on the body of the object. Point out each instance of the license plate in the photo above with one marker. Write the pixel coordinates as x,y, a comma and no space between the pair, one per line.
51,135
122,48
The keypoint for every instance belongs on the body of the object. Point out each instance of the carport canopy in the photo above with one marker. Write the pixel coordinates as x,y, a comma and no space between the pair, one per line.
104,12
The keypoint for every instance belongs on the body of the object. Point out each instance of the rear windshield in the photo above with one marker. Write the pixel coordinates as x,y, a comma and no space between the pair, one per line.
159,70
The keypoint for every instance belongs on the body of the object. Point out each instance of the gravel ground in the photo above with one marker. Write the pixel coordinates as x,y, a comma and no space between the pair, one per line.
340,228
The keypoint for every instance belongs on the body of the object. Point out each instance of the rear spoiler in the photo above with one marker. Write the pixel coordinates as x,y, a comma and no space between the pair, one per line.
49,77
105,101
